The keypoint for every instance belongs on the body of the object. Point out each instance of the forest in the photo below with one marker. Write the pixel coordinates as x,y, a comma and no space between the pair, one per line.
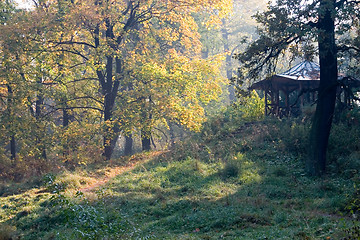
180,119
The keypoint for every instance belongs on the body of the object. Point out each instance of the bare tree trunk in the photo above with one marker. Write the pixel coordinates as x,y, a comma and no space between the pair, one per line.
66,118
146,140
320,131
109,88
225,35
12,137
38,111
13,148
128,145
172,134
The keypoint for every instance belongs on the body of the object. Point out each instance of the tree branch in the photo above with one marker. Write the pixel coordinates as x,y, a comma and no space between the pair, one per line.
72,43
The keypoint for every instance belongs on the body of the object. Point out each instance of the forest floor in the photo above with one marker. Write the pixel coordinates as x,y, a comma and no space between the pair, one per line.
228,182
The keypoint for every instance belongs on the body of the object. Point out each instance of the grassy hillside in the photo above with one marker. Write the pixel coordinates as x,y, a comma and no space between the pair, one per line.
234,180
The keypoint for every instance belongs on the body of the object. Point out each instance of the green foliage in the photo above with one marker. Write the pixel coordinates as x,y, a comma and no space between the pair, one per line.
252,107
86,221
7,9
231,169
78,144
228,120
294,136
53,64
344,148
6,232
353,208
352,233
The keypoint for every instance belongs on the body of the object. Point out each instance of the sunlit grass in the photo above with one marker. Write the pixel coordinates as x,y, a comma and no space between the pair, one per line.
217,191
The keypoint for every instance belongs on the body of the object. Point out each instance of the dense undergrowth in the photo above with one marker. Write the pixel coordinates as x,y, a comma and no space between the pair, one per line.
236,179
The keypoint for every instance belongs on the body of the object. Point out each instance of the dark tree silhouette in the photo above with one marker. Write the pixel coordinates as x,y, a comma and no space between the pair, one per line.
292,26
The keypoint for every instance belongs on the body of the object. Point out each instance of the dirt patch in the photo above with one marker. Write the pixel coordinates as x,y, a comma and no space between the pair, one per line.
104,175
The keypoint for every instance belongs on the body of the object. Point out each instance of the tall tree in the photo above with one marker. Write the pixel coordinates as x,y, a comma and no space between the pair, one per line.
7,9
107,37
145,51
288,26
227,36
320,130
43,78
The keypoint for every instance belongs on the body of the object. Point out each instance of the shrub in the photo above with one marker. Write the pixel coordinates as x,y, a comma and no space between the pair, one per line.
6,232
251,107
231,169
344,140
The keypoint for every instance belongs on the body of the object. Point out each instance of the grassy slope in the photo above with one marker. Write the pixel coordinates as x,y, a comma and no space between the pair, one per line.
231,182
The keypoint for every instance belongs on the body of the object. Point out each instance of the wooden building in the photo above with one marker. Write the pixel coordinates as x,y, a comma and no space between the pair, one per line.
287,92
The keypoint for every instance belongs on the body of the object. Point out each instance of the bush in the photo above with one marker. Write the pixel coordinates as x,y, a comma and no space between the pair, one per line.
231,169
344,140
294,136
252,107
6,232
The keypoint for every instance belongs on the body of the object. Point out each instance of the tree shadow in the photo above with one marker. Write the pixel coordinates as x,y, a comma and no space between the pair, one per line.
189,198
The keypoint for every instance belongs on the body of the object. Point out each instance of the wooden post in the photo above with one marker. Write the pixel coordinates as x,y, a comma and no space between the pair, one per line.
266,102
277,103
287,102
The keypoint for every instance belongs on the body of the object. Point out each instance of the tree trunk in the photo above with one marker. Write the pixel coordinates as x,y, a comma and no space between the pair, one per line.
109,89
128,145
13,148
12,136
66,118
172,133
38,110
320,131
112,132
108,119
225,35
146,140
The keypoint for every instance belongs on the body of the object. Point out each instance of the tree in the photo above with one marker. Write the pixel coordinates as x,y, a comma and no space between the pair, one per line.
168,89
41,79
104,40
293,26
227,36
7,9
69,44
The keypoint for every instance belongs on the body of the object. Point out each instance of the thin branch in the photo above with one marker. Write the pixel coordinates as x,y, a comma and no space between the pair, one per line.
83,79
82,97
70,108
344,48
72,43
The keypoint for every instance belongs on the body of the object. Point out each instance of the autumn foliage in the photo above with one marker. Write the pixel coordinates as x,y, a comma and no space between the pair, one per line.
118,67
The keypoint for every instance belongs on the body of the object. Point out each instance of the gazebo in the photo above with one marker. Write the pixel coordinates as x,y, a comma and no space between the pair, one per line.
299,84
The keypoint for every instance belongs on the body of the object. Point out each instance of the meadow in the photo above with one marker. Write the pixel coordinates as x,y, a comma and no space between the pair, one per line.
234,180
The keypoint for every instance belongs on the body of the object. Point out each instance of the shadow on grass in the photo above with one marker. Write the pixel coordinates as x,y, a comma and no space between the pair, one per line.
267,198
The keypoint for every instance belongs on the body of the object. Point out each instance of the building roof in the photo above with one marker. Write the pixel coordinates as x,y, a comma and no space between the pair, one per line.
305,75
304,71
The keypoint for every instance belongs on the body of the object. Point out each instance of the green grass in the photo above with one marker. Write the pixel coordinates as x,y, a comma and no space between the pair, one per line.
243,184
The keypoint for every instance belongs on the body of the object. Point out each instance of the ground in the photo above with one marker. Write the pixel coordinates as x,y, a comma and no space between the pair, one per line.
242,184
